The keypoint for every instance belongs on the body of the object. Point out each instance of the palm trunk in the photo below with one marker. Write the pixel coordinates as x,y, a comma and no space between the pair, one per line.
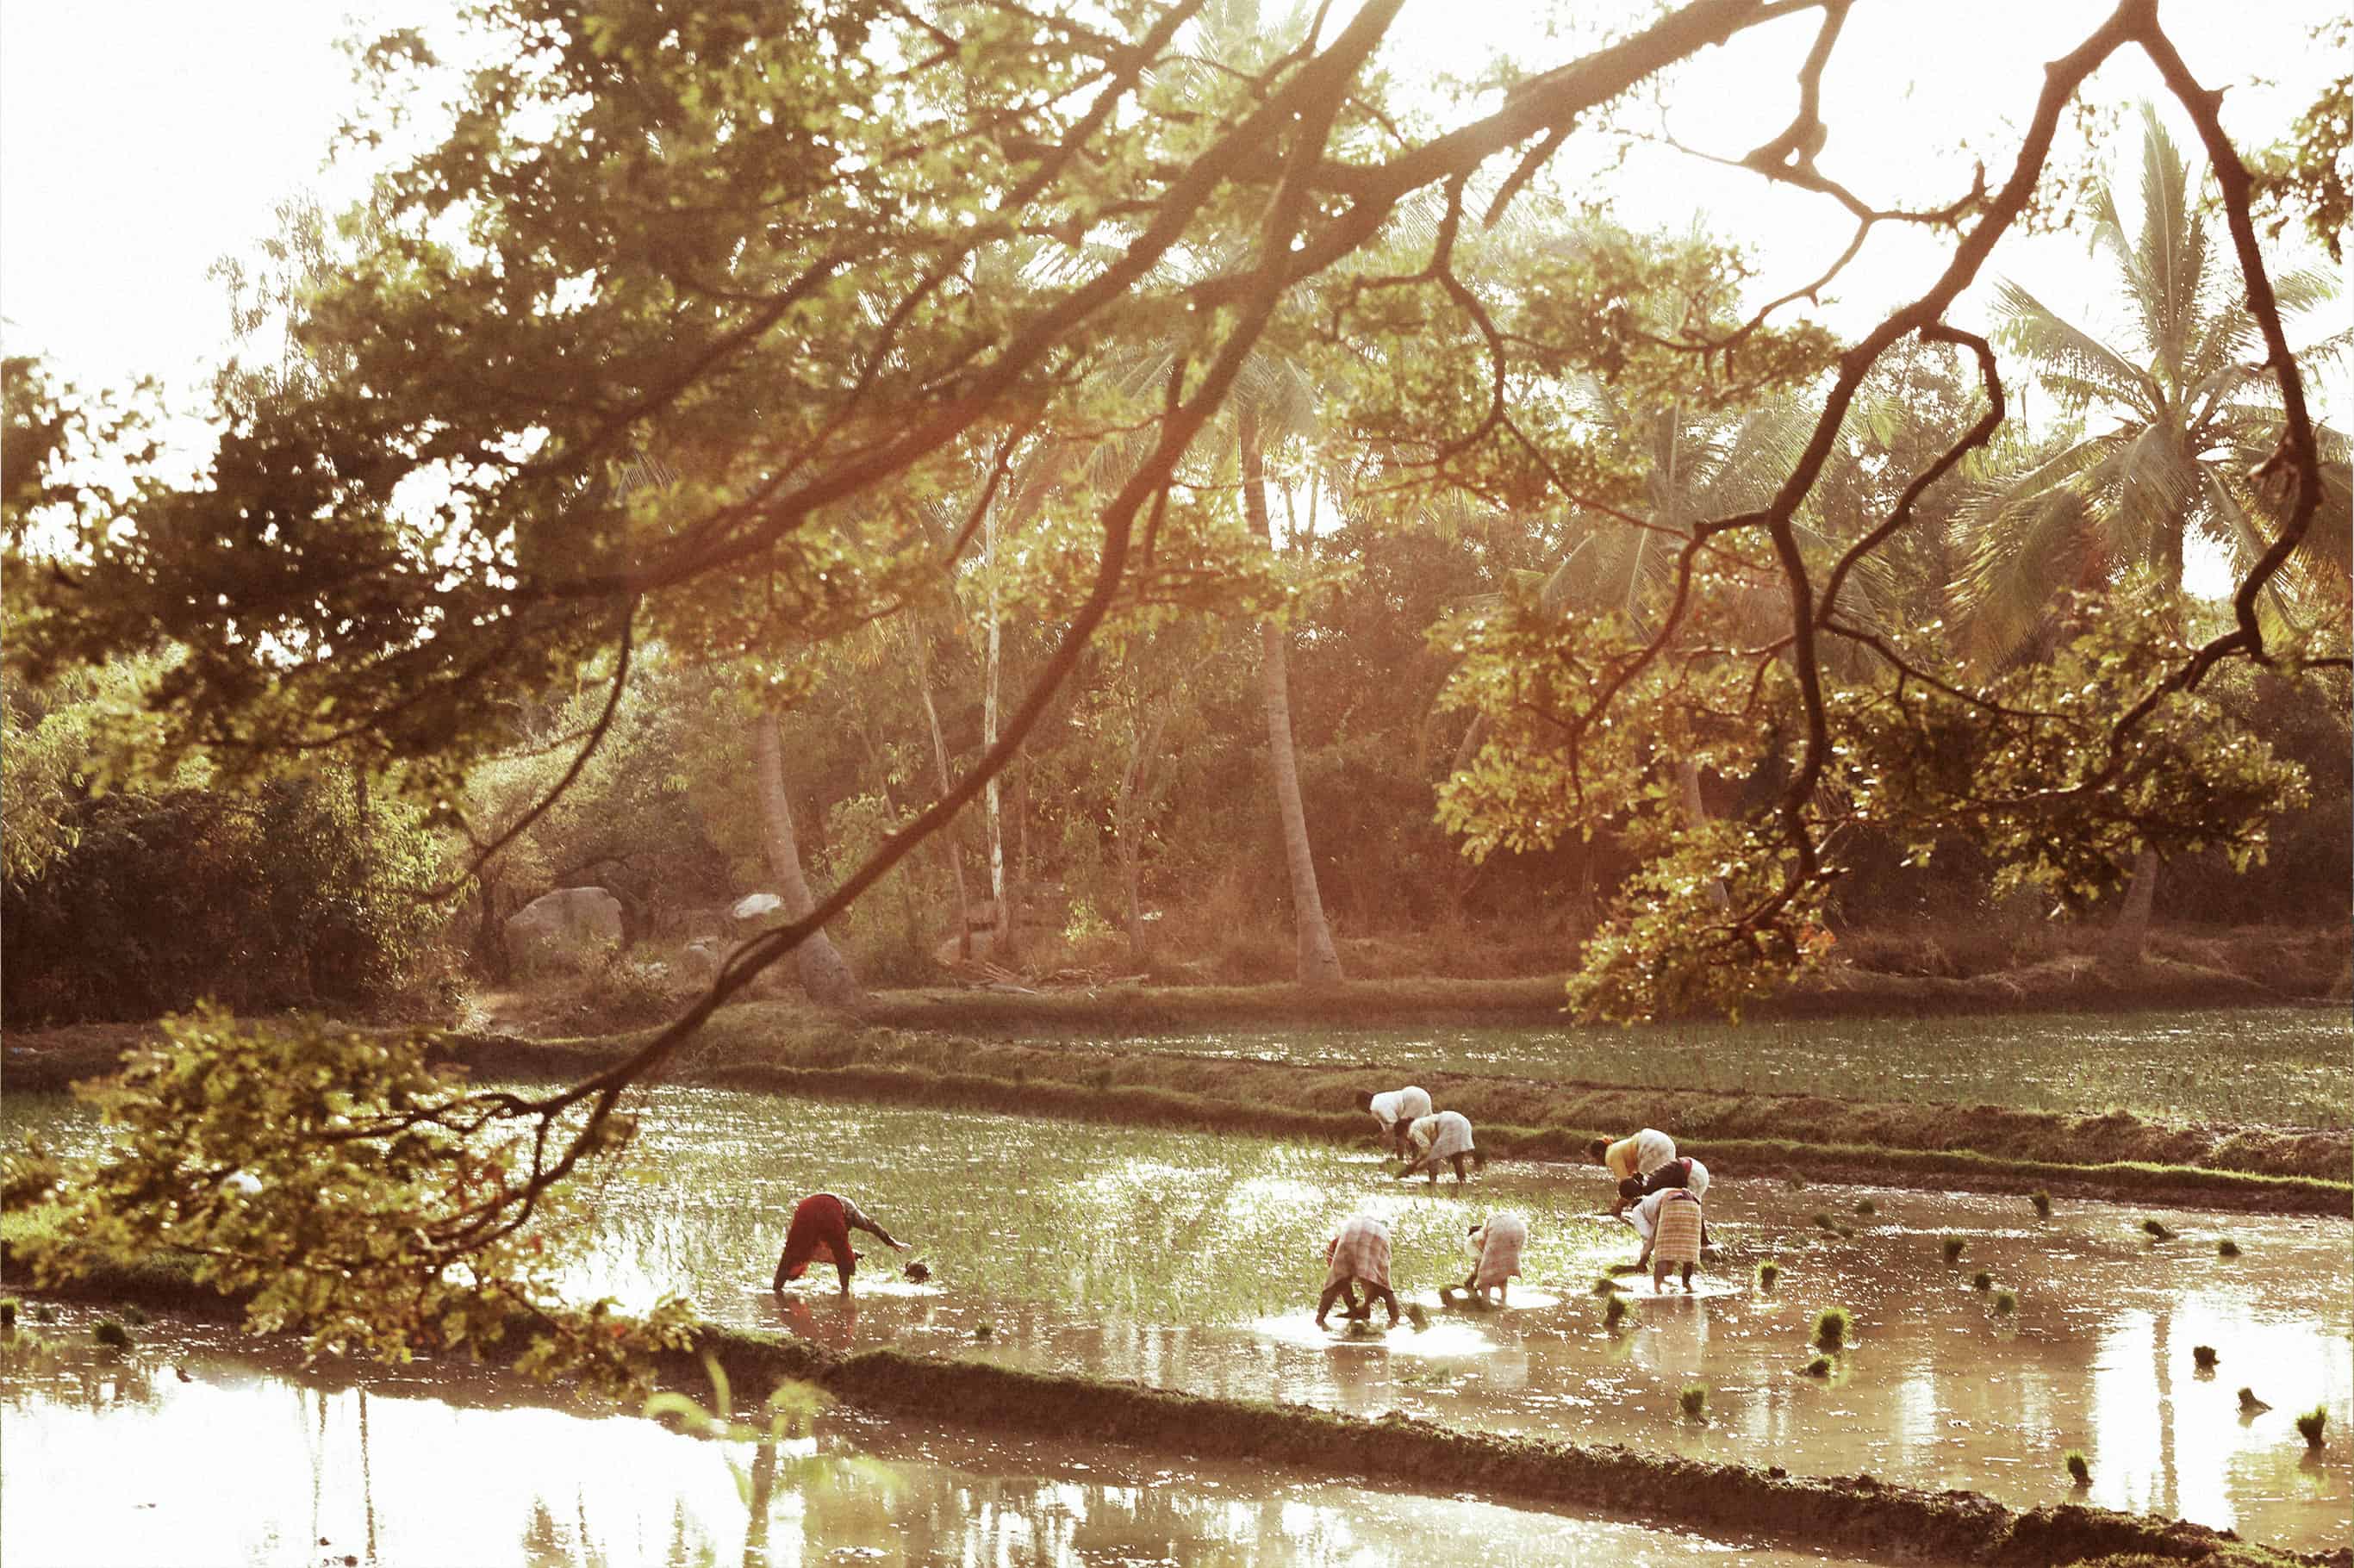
1003,937
948,847
1008,946
1319,963
2130,934
1127,820
825,974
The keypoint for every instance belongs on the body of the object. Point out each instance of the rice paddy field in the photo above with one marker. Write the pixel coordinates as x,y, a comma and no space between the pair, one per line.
2279,1066
1191,1262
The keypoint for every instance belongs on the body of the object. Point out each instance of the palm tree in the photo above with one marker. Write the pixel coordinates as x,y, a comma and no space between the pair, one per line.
1699,466
2163,421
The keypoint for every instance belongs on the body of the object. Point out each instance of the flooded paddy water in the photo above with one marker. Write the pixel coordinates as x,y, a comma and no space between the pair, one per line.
198,1446
2274,1066
1191,1262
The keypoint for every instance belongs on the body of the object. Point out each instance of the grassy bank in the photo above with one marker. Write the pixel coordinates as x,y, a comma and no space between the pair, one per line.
2071,982
1852,1514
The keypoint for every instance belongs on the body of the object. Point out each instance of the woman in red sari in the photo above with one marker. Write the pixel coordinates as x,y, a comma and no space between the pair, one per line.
821,1233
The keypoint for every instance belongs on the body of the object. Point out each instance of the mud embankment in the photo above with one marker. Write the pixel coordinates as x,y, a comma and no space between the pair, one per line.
1851,1514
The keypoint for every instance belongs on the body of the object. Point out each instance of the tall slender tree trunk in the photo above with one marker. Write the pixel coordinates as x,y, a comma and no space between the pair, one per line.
1318,962
825,974
2130,934
1128,819
1002,941
948,845
1019,877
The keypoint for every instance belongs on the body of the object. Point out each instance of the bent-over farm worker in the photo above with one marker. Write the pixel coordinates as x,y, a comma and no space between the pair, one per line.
1358,1254
1676,1231
1646,1194
1436,1141
1396,1112
820,1232
1496,1246
1630,1157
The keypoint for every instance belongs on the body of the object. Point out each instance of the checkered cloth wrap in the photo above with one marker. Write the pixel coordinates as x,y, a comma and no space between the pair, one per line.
1360,1251
1678,1238
1439,1137
1501,1240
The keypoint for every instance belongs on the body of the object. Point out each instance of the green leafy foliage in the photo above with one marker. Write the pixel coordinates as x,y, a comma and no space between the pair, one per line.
279,1163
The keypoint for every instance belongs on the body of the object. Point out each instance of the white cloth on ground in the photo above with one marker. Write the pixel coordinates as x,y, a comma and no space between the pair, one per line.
1406,1106
1439,1137
1501,1240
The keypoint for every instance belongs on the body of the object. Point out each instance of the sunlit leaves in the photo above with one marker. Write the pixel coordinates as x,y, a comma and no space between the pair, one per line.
296,1164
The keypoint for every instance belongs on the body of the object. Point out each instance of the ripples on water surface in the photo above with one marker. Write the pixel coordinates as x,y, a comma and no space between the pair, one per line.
1191,1262
186,1450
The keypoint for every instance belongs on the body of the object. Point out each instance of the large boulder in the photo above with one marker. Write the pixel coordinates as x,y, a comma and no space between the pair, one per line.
755,909
571,928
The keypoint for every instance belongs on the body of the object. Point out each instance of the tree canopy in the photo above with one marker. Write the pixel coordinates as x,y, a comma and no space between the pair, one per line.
849,279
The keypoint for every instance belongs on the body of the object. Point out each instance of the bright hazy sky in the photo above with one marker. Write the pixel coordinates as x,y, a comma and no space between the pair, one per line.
142,139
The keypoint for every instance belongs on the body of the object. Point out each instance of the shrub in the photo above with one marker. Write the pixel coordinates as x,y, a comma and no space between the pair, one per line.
2077,1467
1823,1221
2249,1402
1866,1207
107,1331
2311,1424
2006,1302
1615,1312
2042,1201
1794,1181
293,893
44,1313
1819,1367
1832,1324
135,1316
1769,1274
1982,1280
2227,1248
1954,1245
2205,1356
2156,1231
1695,1401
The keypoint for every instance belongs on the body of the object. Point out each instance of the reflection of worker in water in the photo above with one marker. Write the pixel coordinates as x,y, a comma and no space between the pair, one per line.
1496,1247
1396,1112
832,1324
1358,1254
820,1232
1631,1156
1441,1139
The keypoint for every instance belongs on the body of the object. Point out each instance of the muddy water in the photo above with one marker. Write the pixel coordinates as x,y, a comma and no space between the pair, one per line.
2287,1065
1191,1262
188,1448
